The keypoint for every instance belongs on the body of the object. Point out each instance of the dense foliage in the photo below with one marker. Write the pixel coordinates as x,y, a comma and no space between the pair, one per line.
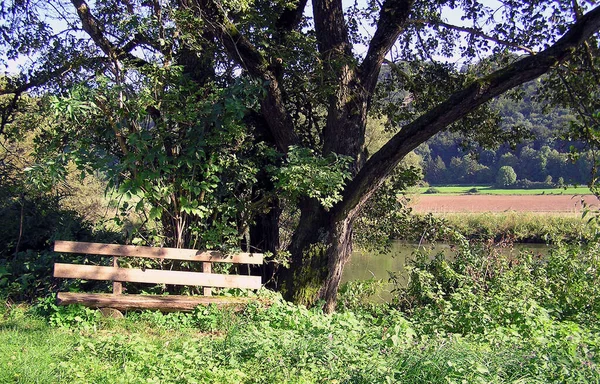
549,152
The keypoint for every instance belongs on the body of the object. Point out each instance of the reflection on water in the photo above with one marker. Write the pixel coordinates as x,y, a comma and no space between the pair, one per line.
364,266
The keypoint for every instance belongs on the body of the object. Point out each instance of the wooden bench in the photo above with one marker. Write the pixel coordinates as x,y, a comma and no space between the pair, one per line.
117,275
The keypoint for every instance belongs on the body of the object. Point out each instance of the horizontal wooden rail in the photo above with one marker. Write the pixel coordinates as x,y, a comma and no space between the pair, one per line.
92,272
156,252
163,303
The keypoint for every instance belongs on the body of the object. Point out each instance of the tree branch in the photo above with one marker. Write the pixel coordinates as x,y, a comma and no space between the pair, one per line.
392,18
475,32
382,163
40,78
330,28
241,50
344,130
290,18
92,27
18,88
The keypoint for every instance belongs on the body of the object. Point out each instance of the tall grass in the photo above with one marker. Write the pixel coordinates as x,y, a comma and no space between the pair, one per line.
515,226
289,344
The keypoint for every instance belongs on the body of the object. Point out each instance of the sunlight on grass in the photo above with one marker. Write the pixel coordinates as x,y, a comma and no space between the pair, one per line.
489,190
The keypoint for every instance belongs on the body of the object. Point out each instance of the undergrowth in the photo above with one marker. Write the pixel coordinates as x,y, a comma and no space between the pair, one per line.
516,226
476,316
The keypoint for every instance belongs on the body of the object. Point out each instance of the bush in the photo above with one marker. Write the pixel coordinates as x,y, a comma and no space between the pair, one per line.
527,184
432,190
481,288
506,177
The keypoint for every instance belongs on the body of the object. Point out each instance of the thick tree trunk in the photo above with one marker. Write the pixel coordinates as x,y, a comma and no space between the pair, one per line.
338,254
321,246
302,281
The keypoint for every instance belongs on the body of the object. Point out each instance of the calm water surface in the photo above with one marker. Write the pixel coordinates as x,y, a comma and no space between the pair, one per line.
364,266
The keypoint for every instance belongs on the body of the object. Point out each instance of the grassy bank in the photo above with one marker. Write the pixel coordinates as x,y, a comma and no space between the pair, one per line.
520,226
284,344
477,317
523,227
489,190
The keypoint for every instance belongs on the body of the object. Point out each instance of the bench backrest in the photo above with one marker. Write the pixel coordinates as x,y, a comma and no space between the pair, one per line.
118,275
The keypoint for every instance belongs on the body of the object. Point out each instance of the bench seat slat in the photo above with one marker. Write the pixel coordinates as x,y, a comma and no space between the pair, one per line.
163,303
156,252
92,272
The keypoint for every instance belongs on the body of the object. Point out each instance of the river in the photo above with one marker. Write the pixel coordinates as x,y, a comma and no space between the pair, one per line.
364,265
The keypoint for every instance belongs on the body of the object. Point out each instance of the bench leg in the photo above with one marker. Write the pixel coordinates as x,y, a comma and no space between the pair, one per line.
207,268
117,285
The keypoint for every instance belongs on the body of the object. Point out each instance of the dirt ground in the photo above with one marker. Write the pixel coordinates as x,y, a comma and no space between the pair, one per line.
496,203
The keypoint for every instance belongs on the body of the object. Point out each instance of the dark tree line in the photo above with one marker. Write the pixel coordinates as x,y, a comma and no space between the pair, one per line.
545,155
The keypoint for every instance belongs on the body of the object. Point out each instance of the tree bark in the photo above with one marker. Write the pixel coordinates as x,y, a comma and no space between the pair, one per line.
302,281
321,247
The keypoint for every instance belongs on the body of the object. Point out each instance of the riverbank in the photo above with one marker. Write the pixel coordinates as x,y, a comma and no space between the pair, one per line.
482,317
517,227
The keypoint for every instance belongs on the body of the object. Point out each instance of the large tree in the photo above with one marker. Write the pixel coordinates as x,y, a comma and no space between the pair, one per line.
319,70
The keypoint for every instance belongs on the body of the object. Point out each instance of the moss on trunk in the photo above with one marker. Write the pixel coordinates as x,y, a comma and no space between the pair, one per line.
308,277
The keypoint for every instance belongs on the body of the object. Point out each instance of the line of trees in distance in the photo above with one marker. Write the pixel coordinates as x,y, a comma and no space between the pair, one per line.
546,158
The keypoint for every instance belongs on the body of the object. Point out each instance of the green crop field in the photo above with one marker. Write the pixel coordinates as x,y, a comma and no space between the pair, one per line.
488,190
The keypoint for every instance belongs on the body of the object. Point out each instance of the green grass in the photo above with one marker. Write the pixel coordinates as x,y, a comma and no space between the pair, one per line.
488,190
285,343
29,348
471,314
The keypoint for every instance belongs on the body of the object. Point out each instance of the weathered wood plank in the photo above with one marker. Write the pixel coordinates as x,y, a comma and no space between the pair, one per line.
163,303
156,252
207,268
117,285
155,276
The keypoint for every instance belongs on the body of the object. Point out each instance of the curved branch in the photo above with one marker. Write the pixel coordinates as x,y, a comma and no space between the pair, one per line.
92,27
382,163
475,32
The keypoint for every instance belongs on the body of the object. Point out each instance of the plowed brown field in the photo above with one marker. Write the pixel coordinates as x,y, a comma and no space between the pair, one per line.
495,203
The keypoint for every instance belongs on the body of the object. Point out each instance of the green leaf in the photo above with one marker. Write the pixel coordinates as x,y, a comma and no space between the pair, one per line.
155,213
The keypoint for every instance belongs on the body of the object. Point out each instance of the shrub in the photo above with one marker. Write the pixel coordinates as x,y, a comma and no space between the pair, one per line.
480,288
506,177
432,190
528,184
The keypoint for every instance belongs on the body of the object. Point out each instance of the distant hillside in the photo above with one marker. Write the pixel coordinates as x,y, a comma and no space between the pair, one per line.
539,159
